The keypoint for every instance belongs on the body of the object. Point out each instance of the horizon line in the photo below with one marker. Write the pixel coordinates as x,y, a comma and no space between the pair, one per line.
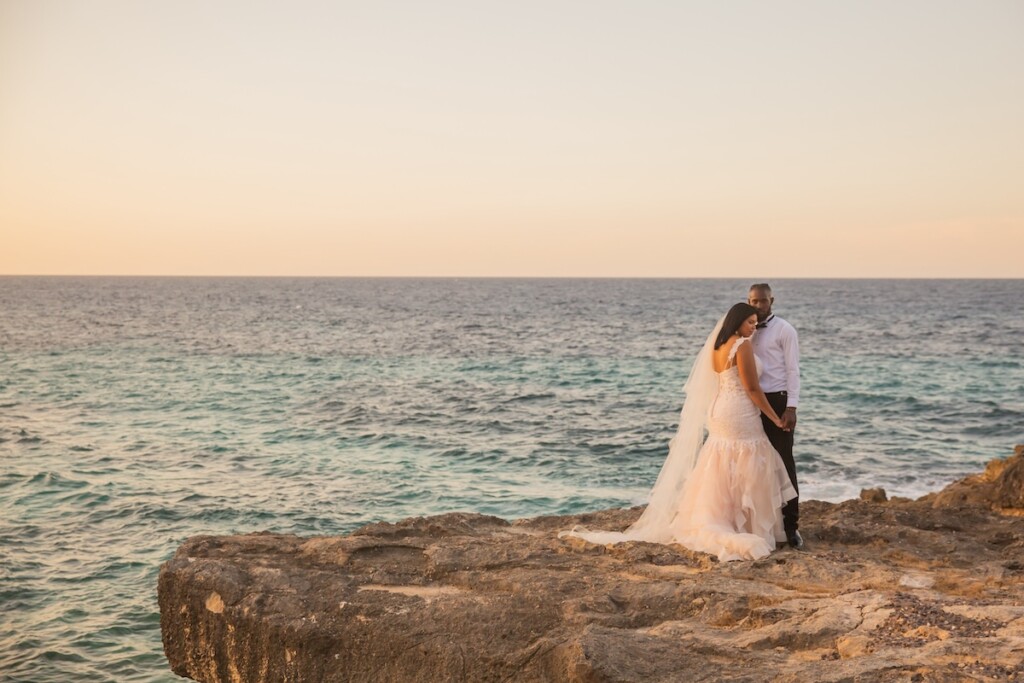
505,277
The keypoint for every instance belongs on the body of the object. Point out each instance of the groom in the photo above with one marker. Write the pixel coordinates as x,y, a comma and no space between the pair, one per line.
775,343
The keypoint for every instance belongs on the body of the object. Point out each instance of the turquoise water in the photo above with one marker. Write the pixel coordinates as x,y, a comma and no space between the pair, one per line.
136,412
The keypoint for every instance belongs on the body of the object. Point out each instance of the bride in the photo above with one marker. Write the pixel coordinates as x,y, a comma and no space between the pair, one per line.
723,495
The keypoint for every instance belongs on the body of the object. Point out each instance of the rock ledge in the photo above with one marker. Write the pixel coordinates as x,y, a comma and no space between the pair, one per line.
888,590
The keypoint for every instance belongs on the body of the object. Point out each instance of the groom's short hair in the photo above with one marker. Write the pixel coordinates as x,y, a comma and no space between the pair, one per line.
761,286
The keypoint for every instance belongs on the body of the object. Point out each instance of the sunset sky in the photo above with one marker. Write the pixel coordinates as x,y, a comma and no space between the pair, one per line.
527,138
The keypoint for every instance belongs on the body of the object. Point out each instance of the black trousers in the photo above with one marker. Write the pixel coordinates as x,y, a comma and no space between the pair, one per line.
783,443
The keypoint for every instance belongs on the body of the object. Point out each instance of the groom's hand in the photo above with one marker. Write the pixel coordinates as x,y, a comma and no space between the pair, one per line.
789,419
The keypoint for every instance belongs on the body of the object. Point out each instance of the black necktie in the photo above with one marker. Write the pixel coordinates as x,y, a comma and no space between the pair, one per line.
764,324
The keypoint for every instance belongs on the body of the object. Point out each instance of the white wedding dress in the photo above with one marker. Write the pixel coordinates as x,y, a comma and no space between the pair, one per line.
723,495
731,504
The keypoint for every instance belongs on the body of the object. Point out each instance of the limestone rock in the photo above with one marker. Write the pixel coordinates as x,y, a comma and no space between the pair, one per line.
853,646
886,591
1001,485
1009,488
876,495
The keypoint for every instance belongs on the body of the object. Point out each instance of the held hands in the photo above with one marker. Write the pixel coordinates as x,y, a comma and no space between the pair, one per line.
788,420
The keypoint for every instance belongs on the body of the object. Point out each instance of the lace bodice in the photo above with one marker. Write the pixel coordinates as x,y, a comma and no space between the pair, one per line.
733,414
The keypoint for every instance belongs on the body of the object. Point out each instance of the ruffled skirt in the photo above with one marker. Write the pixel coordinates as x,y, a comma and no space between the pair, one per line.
731,504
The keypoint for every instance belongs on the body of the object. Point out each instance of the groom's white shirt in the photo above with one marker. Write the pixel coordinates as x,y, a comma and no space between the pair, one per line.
777,346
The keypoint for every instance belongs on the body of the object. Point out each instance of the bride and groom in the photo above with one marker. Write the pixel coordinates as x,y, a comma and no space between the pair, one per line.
733,494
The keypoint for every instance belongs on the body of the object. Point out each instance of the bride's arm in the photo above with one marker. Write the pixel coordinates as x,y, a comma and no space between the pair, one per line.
748,375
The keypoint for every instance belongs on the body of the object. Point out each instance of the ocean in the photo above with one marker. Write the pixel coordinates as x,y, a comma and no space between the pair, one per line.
137,412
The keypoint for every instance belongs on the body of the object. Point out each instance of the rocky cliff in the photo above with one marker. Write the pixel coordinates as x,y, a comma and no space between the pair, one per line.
887,590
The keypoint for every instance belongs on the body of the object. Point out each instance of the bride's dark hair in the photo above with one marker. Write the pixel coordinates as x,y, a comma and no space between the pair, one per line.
733,319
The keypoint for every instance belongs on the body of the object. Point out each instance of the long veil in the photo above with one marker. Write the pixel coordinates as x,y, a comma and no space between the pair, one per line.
655,524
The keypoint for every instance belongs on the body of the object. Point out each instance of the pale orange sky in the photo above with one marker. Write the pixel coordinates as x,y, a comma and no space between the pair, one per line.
661,139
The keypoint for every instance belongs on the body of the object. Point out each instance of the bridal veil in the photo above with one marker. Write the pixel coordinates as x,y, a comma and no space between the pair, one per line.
655,524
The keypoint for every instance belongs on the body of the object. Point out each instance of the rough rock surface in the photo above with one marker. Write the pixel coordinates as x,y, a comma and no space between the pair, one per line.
887,590
1001,485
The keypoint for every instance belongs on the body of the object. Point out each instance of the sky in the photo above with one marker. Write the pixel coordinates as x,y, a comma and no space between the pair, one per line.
529,138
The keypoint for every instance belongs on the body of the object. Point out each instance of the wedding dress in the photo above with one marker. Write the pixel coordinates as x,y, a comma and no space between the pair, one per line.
723,495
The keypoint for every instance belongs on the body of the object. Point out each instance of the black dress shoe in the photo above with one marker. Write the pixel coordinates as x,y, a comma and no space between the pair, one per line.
795,540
